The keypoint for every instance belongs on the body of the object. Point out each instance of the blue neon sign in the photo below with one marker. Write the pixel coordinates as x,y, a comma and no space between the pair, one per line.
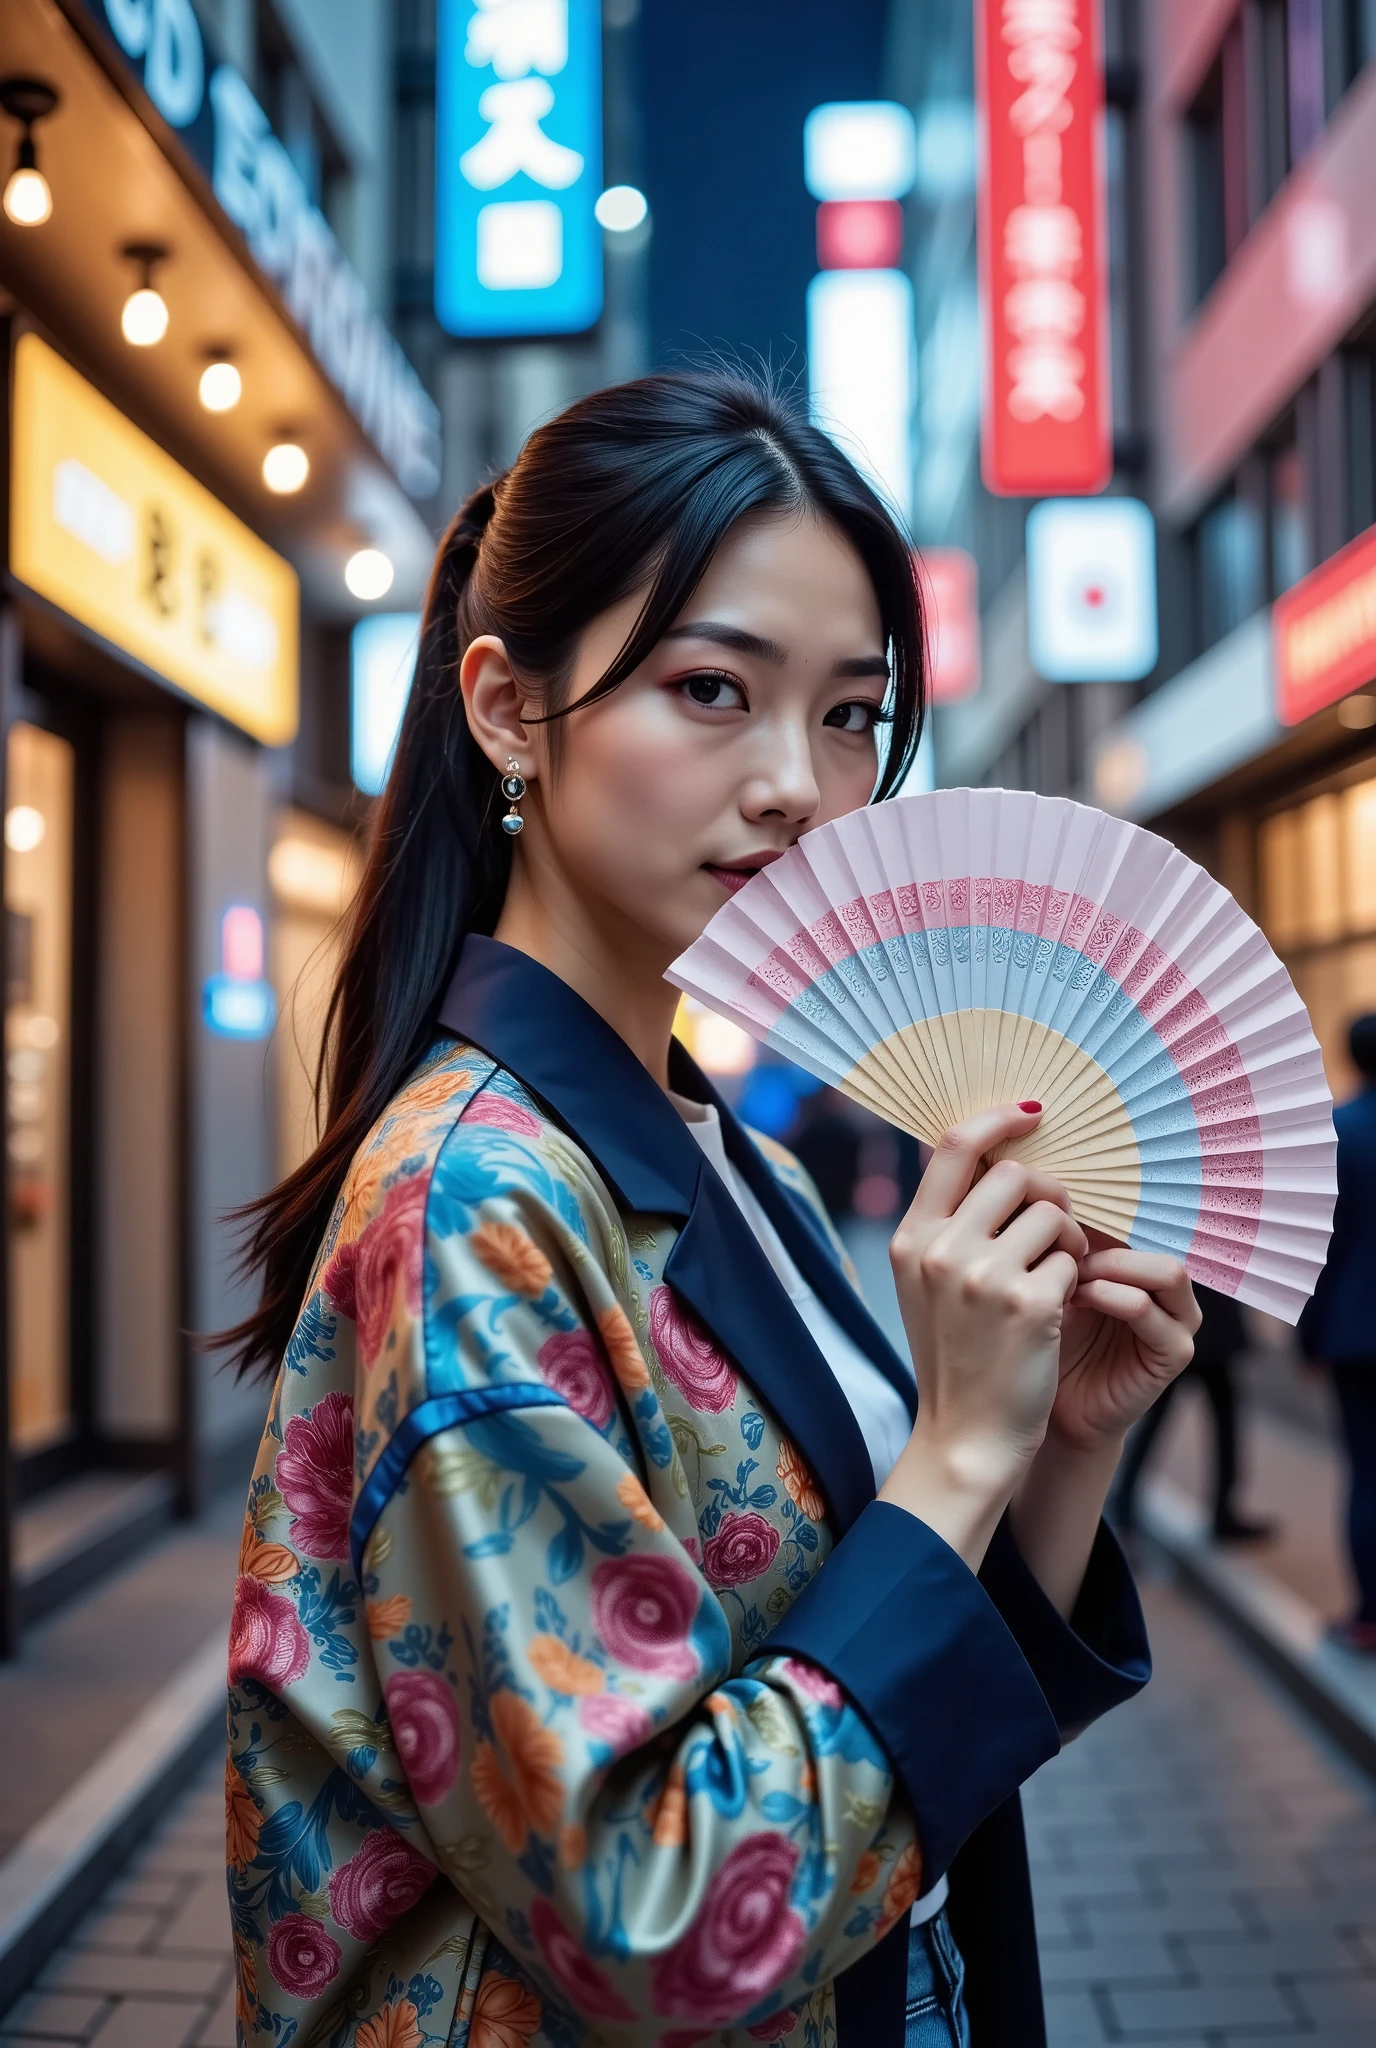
518,166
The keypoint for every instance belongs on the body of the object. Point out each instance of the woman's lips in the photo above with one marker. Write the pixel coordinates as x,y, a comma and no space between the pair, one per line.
732,879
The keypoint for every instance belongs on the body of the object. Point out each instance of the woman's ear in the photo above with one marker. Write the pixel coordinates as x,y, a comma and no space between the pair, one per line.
493,701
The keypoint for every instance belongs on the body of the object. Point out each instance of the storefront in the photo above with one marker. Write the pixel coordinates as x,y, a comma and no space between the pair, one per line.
1259,759
174,746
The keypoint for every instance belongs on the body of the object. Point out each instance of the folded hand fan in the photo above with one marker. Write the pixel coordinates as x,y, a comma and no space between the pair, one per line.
937,954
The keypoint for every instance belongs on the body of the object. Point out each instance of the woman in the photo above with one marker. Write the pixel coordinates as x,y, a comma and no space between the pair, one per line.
615,1657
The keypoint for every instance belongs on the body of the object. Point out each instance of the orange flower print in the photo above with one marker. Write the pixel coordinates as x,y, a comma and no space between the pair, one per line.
505,2014
242,1819
396,2026
637,1502
561,1670
431,1091
866,1872
671,1816
533,1795
272,1563
632,1373
496,1795
903,1888
387,1618
515,1258
573,1846
799,1484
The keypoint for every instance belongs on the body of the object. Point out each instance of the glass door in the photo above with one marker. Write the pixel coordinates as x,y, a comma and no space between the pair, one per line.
39,786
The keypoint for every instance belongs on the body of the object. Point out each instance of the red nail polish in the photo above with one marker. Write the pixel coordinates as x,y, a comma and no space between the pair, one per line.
1032,1108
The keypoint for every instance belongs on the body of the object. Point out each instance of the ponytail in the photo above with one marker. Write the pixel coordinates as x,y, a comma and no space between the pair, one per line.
432,873
632,490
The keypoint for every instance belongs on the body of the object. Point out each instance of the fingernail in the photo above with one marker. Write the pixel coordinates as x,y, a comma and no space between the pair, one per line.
1032,1108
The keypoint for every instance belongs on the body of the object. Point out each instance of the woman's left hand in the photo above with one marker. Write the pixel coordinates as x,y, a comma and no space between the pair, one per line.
1128,1330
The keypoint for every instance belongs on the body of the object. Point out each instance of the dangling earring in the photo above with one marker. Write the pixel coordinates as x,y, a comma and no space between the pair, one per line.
513,789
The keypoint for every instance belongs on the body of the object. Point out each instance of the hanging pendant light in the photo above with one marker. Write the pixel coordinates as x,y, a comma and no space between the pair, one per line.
28,200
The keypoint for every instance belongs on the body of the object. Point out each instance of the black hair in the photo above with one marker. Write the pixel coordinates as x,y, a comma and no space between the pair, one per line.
634,487
1361,1043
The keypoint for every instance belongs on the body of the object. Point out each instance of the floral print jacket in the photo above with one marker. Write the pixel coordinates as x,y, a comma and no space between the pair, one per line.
546,1724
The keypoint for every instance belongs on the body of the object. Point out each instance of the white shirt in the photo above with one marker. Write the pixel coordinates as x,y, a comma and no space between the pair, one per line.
875,1402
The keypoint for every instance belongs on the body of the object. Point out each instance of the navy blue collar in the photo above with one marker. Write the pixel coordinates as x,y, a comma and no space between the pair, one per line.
571,1060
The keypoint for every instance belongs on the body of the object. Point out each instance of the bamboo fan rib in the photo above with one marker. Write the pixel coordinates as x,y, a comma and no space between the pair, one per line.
936,954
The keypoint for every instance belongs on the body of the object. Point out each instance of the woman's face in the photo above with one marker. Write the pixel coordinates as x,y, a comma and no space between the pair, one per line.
752,721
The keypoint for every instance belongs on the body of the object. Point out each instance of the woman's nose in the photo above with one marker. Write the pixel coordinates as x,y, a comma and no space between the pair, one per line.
785,783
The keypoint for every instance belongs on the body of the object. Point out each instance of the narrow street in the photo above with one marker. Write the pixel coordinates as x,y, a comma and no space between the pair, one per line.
1205,1863
1205,1868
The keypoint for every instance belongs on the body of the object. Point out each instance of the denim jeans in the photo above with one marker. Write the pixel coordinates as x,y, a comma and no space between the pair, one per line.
936,1987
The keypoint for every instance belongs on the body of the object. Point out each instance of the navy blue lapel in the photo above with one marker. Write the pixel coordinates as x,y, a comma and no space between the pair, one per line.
804,1239
534,1024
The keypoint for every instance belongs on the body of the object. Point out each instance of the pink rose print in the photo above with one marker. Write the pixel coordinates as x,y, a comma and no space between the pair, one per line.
266,1639
612,1719
381,1880
744,1941
302,1956
362,1278
500,1113
814,1683
742,1548
315,1476
585,1984
338,1279
572,1363
688,1355
644,1608
425,1728
777,2027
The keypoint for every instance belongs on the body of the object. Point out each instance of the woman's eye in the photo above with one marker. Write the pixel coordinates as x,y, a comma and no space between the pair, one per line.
854,717
717,693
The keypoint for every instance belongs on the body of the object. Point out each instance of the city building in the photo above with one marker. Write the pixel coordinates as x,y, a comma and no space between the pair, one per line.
217,455
1238,162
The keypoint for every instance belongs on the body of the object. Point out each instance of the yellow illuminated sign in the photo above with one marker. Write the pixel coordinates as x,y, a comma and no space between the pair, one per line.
114,532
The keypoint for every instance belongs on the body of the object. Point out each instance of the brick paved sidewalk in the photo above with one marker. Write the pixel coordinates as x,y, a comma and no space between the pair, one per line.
1204,1865
1205,1872
150,1966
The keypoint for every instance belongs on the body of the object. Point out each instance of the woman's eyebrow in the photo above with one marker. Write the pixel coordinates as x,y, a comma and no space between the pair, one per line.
734,637
862,665
754,644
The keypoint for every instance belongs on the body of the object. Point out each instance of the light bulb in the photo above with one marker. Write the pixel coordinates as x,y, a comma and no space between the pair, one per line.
369,573
25,828
621,208
28,202
285,468
221,387
143,322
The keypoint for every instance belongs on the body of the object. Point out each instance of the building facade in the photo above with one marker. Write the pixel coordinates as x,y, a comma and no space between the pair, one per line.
174,632
1240,146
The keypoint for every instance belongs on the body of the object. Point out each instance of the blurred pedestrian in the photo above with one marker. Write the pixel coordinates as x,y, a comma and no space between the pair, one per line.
1219,1341
1339,1326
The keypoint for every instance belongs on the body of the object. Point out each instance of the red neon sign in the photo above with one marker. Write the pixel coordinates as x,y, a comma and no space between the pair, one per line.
1324,632
1043,247
949,582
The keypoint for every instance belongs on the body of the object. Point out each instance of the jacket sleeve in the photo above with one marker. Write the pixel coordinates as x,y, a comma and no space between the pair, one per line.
1095,1660
659,1841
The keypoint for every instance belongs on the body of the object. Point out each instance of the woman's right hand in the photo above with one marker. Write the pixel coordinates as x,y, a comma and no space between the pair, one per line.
984,1268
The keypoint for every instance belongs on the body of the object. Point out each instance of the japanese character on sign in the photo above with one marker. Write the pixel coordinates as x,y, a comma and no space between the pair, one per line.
517,37
515,140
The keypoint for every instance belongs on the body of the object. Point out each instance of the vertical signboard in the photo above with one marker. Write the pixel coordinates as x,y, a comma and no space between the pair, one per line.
1043,247
518,166
949,582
